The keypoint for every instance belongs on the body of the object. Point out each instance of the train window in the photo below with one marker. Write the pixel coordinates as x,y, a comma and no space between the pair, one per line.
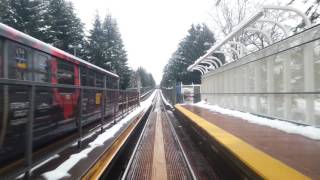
91,78
41,68
114,83
65,73
108,80
99,80
19,62
83,76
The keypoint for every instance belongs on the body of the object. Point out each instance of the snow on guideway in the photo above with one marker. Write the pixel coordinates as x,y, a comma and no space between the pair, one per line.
291,128
62,170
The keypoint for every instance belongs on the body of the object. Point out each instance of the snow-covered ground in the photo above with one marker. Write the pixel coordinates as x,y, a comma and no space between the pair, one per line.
62,170
307,131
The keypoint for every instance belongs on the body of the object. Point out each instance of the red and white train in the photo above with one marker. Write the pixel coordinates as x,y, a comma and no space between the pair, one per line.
28,60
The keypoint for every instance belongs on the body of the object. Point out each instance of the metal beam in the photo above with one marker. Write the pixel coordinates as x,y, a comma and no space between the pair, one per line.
198,69
284,29
216,59
264,33
213,62
238,29
288,8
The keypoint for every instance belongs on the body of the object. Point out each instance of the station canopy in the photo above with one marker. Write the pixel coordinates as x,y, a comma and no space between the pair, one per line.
236,45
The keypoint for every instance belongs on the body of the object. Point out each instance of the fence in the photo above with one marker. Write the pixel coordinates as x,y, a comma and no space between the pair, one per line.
280,81
32,119
182,93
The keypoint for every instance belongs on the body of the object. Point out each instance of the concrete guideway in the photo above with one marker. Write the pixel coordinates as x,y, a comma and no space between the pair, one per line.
158,153
159,168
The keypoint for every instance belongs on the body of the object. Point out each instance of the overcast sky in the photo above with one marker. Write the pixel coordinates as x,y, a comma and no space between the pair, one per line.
150,29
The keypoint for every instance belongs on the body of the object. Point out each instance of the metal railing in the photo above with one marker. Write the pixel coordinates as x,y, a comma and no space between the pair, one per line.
109,105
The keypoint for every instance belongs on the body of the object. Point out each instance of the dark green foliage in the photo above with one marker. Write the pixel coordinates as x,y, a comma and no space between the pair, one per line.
115,52
105,49
24,15
194,45
63,28
96,45
55,22
146,78
52,21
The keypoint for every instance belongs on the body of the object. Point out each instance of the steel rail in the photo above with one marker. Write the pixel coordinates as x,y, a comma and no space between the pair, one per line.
137,144
178,142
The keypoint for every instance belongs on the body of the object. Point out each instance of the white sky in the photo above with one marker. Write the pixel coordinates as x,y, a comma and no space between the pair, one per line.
150,29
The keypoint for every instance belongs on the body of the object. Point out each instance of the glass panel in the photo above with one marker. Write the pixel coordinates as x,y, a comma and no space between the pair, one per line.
296,70
99,80
252,103
65,74
279,106
83,76
243,76
317,109
41,68
263,101
278,73
250,77
263,74
19,62
317,64
91,78
298,107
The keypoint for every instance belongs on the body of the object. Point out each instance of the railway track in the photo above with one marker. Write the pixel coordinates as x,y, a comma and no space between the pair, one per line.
161,152
158,153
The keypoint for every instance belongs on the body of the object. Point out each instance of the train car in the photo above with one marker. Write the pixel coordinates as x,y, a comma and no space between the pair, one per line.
31,61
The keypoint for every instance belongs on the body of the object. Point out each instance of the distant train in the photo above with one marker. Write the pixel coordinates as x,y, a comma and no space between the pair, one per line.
56,76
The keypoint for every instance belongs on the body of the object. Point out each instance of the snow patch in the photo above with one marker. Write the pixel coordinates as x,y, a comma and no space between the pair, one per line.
62,170
291,128
39,165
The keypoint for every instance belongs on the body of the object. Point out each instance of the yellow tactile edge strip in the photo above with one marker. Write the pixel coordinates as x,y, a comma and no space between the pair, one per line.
261,163
104,161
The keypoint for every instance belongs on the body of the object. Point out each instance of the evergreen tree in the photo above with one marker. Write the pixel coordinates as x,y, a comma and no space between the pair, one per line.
23,15
63,28
115,52
96,45
194,45
146,78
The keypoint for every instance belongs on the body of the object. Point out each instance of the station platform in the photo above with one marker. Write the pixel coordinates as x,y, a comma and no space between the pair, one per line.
268,152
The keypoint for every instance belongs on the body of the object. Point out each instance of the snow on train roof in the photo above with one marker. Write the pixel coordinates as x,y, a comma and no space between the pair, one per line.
23,38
